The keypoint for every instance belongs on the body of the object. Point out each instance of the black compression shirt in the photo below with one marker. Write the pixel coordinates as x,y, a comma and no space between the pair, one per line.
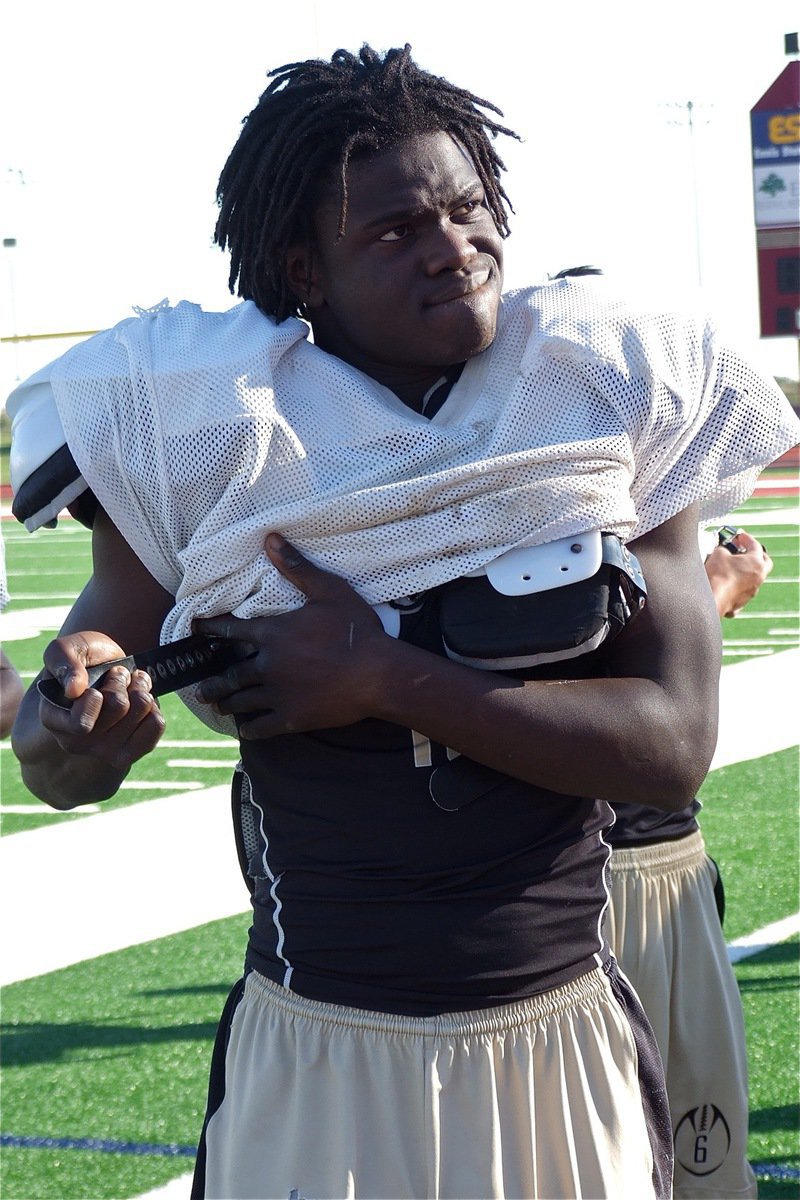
369,894
640,825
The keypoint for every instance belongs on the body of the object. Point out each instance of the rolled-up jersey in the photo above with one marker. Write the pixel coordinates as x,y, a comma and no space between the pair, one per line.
582,415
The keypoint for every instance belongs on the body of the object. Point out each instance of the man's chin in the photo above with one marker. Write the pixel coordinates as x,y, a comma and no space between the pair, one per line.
474,326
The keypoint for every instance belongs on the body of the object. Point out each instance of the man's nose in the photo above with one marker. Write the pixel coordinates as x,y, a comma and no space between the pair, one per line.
448,248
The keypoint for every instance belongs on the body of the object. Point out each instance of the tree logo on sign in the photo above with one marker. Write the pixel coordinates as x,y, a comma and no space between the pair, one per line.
772,185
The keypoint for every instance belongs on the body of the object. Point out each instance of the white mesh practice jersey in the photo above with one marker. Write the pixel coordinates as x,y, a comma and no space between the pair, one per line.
199,432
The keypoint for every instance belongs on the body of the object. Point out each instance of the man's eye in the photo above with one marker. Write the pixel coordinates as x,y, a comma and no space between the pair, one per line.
395,235
465,210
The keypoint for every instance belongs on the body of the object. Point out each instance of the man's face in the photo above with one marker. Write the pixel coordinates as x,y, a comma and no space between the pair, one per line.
414,284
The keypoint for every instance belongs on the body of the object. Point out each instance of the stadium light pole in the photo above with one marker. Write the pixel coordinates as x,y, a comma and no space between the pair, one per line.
690,123
695,192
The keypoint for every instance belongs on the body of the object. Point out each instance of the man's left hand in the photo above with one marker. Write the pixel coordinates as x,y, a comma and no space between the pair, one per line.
315,667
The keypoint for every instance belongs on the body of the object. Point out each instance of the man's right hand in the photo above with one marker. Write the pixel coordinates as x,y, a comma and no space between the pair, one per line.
117,722
82,754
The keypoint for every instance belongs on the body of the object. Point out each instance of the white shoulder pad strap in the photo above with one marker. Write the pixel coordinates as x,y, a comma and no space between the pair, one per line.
44,475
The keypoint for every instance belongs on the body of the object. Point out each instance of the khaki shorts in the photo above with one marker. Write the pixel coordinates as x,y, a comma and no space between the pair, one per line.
552,1097
664,929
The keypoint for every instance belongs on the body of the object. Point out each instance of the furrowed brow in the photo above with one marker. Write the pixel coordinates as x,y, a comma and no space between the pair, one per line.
414,208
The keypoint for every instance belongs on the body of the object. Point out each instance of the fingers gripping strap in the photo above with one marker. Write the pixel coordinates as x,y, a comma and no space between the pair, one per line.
170,667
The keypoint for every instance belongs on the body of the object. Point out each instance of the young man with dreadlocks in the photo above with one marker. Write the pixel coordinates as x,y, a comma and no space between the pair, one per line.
429,1007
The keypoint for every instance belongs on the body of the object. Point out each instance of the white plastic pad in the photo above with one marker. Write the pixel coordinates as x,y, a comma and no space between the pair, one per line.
528,569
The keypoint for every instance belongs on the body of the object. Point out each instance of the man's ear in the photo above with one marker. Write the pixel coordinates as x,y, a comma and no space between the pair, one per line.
303,276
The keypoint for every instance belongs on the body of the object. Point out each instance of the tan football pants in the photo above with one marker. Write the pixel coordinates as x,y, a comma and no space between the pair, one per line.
664,929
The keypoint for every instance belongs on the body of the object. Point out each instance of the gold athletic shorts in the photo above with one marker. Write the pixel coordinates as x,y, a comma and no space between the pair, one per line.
555,1096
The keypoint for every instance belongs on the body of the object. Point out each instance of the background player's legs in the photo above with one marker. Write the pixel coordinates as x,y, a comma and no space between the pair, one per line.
664,929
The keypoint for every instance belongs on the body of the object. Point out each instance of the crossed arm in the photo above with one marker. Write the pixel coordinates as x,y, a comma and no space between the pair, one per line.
646,732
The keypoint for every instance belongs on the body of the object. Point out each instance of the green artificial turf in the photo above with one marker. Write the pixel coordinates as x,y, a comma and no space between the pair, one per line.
157,766
751,827
770,622
769,987
119,1047
115,1048
83,1175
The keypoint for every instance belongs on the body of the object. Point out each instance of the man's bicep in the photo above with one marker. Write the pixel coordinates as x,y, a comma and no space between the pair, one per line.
676,639
675,643
122,599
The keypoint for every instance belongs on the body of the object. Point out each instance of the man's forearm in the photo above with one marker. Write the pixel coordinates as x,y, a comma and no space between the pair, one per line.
598,737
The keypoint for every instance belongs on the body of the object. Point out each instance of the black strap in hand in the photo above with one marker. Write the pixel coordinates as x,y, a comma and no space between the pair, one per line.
170,667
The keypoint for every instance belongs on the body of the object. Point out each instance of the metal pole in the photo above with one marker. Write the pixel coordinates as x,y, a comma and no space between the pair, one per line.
695,193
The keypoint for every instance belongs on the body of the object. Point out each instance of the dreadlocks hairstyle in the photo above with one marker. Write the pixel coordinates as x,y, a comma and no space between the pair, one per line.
311,121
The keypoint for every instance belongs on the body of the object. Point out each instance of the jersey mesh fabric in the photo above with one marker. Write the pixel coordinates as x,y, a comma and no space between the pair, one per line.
200,431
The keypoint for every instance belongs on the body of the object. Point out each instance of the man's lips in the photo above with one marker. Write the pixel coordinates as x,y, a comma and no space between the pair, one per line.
460,288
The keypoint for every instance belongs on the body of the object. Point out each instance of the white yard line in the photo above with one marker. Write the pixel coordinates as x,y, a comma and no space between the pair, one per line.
757,708
160,785
176,1189
85,888
764,518
40,810
197,744
764,939
30,622
202,764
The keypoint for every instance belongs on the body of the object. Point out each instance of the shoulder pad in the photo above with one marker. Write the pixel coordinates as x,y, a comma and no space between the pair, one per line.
44,475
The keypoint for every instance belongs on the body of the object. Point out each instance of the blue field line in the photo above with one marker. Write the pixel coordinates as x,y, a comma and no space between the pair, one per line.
105,1145
777,1172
